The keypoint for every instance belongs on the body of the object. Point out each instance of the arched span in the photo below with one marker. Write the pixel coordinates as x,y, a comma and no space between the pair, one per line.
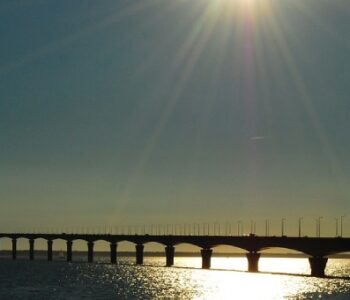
6,236
187,254
77,239
153,251
125,246
59,246
6,243
100,239
144,240
184,244
297,250
126,240
22,246
21,236
199,245
79,249
339,254
37,237
58,238
40,243
231,245
101,246
154,243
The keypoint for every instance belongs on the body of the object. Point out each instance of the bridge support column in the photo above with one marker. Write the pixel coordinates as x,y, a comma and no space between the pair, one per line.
90,251
14,249
206,258
69,250
253,261
31,249
139,254
170,253
49,250
318,265
113,246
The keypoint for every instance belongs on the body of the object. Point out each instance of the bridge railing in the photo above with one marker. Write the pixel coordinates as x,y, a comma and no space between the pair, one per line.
228,228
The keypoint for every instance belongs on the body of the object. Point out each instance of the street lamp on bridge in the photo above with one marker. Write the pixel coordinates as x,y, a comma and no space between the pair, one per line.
267,227
239,228
341,225
318,226
336,226
282,226
299,225
252,227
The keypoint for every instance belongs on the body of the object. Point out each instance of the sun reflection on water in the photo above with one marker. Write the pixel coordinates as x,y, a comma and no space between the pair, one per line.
61,280
220,284
266,264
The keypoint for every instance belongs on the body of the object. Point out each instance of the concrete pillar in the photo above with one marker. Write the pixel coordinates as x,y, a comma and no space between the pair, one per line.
139,254
169,252
31,249
318,265
90,251
253,261
113,246
206,258
69,250
49,250
14,248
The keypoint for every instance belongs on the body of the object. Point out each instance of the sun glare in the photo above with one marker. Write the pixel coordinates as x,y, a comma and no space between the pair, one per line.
247,3
245,7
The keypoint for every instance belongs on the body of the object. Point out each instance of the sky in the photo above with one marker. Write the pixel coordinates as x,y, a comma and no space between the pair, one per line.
174,111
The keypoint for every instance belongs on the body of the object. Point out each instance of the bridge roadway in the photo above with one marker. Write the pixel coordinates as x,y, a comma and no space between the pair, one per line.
317,249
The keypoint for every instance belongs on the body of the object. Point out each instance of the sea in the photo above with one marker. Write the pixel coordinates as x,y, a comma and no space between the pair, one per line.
279,278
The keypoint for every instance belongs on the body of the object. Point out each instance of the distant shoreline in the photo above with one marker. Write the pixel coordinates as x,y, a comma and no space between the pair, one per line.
7,253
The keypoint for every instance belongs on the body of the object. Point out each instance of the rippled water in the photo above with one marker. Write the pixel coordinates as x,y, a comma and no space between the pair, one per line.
78,280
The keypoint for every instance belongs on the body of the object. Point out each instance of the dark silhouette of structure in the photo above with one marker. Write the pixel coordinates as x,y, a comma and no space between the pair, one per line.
317,249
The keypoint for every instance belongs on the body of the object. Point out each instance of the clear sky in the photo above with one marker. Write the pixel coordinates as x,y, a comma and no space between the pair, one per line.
171,111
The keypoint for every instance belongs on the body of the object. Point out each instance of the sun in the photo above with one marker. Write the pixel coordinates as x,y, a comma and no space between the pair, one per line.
244,6
248,4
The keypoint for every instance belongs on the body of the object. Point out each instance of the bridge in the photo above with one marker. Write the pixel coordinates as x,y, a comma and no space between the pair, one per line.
316,248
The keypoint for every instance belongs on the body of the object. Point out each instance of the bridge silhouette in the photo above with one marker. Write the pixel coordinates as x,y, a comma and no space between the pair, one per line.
316,248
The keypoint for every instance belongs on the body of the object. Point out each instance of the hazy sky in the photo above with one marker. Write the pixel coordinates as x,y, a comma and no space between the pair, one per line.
172,111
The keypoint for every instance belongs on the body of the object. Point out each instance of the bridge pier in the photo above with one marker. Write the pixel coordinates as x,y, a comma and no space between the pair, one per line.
253,261
318,265
14,248
206,258
31,249
170,253
49,250
139,254
90,251
69,250
113,246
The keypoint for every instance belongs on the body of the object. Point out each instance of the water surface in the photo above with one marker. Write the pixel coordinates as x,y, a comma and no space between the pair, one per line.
40,279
